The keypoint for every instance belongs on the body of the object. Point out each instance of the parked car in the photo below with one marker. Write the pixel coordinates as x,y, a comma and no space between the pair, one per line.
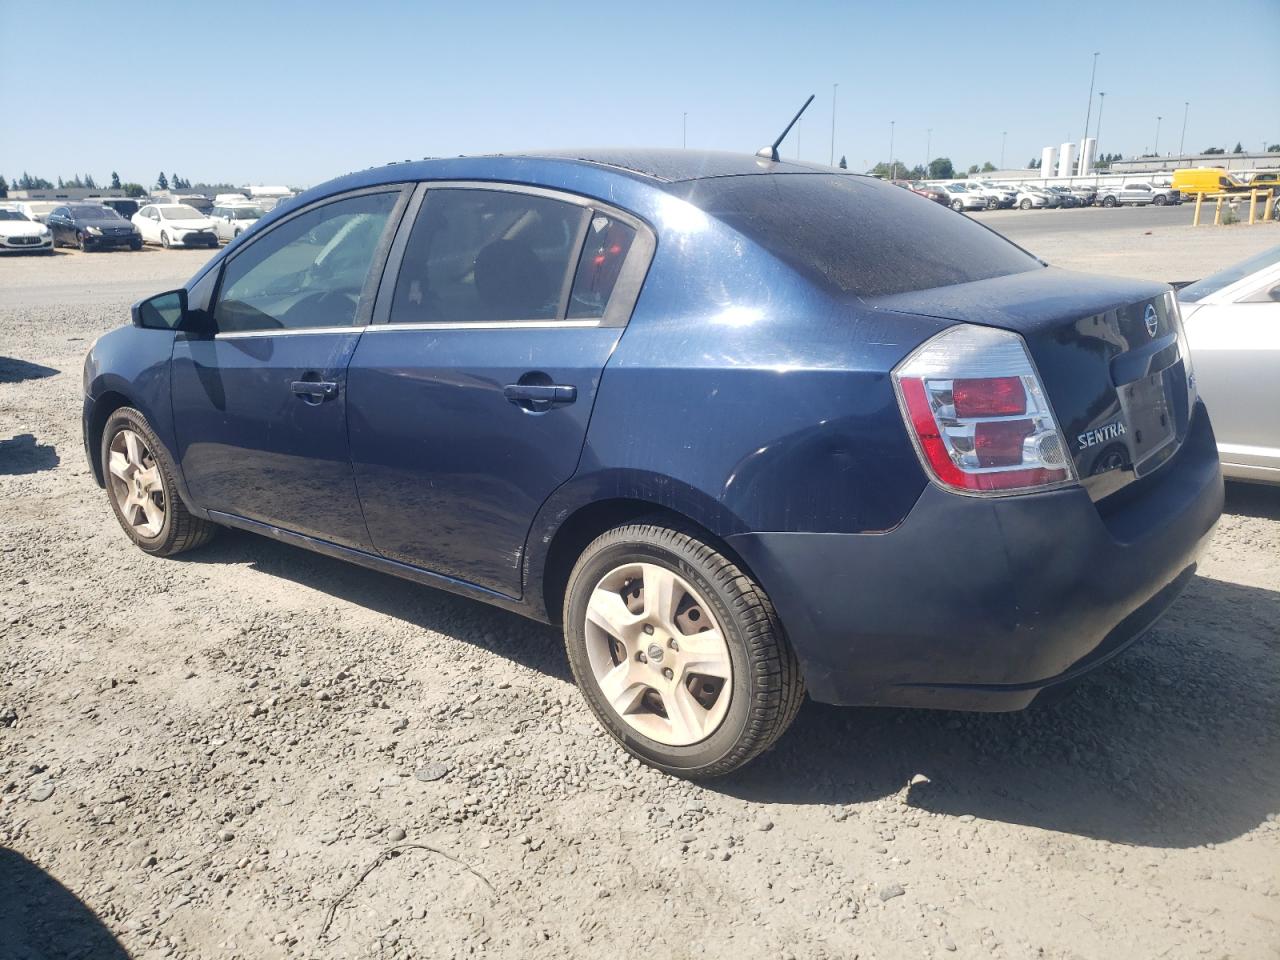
1265,180
1232,319
1085,194
936,194
197,201
20,234
510,371
998,196
1067,198
38,210
175,225
91,226
962,198
233,219
125,206
1137,194
1030,195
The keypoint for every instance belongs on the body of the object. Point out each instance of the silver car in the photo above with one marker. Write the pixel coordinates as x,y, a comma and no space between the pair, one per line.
232,219
1232,320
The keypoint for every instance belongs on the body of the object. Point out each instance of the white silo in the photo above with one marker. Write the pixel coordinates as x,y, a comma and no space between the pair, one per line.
1048,157
1088,154
1066,159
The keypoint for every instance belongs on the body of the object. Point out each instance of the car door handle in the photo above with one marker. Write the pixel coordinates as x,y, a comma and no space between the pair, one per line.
314,391
549,393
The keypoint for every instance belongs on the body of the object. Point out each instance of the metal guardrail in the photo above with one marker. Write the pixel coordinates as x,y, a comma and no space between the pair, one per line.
1270,211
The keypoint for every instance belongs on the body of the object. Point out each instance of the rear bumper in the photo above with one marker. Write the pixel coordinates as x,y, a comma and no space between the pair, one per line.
981,604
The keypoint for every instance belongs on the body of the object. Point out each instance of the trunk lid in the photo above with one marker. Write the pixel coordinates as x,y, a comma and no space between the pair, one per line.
1108,354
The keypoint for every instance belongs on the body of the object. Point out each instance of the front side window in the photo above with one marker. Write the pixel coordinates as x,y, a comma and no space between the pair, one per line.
309,271
478,256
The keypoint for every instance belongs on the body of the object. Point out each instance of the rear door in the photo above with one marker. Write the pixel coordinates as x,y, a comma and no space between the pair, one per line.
470,393
260,406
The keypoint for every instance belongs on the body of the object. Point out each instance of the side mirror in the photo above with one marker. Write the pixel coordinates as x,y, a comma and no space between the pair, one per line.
164,311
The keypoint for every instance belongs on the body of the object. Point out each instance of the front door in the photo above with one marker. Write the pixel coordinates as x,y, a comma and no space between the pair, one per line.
469,399
260,406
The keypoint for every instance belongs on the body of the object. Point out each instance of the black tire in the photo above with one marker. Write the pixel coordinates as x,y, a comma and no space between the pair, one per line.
164,239
1026,204
1158,200
82,243
957,206
1108,201
181,530
767,687
992,203
135,245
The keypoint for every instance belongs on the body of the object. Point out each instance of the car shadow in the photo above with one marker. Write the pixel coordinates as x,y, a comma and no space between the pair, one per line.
531,644
40,918
23,454
1253,500
13,370
1173,744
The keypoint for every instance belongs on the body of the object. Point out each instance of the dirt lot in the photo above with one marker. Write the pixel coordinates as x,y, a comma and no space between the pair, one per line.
204,757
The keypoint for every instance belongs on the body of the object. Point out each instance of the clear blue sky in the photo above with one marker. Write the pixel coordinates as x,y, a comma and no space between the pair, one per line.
280,92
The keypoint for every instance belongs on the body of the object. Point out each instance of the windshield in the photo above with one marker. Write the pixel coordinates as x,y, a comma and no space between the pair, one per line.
246,213
856,235
94,213
11,215
181,212
1197,291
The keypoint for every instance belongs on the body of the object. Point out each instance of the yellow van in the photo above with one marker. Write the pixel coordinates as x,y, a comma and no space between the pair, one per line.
1206,180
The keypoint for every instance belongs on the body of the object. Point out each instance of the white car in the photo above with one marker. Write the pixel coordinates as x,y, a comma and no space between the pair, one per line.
1232,320
963,198
232,219
175,225
39,210
996,195
1030,197
20,234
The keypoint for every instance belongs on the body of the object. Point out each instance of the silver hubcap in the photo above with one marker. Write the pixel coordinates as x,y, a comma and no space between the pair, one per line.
136,484
658,655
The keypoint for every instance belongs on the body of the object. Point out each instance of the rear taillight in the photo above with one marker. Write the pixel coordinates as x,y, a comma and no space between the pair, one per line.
978,414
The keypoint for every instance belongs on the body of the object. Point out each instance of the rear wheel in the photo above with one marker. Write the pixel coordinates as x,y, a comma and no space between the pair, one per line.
1158,200
1025,204
957,205
140,482
678,652
992,203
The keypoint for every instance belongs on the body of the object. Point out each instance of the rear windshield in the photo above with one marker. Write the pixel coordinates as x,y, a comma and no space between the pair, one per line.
856,234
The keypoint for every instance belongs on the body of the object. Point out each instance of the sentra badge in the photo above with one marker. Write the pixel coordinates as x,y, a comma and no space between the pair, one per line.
1092,438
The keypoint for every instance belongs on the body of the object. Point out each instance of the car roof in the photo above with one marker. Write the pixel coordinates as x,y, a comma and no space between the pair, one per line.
674,166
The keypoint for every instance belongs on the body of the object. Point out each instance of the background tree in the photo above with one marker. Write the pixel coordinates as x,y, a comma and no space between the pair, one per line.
1033,163
134,190
940,168
988,167
844,164
4,187
28,182
88,181
973,168
1239,147
115,180
162,181
1213,150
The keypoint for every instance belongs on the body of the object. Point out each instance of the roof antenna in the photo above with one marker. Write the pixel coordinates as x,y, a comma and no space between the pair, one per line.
771,153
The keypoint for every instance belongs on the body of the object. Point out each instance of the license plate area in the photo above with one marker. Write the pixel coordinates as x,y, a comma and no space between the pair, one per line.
1150,417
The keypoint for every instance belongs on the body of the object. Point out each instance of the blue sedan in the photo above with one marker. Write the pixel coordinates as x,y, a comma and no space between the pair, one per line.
745,428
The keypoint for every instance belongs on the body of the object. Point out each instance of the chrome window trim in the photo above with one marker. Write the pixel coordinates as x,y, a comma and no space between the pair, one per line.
291,332
626,289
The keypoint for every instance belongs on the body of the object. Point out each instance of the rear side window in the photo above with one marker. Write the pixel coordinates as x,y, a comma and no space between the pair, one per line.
482,256
857,235
603,254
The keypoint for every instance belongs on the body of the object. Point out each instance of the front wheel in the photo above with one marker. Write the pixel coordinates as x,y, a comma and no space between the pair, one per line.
140,482
957,206
82,243
164,239
678,652
1158,200
1108,201
1025,204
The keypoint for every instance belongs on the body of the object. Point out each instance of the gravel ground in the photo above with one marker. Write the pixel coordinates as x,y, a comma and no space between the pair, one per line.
257,752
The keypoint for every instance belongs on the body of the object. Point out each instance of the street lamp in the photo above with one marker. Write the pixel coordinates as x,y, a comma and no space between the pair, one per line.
1003,136
1089,113
684,130
1156,148
834,88
928,145
1097,136
1186,108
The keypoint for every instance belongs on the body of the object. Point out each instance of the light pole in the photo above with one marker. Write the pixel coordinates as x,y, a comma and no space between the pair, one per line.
928,145
1089,113
834,88
1097,137
1003,136
1156,148
893,164
1182,143
684,130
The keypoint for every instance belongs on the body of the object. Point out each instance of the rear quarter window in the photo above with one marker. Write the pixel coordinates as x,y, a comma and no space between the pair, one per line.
857,235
